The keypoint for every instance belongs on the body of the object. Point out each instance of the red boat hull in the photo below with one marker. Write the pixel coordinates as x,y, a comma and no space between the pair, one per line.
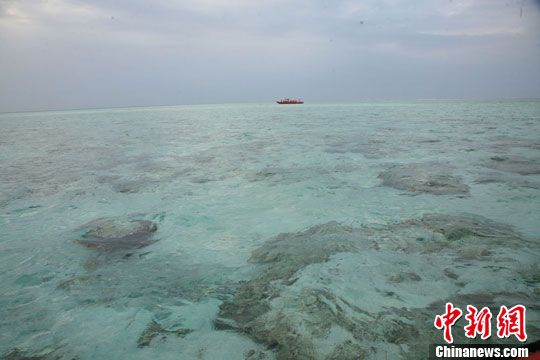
290,102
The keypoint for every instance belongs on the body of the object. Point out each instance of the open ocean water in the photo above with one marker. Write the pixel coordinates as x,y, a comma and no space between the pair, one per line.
262,231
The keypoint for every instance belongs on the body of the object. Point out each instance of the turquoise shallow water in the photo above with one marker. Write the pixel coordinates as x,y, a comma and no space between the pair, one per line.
386,210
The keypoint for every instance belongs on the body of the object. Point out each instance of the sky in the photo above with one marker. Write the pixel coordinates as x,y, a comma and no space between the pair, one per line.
72,54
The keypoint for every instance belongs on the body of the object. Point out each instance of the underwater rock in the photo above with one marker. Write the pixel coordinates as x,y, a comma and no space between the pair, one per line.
449,273
514,164
287,253
433,179
127,187
464,237
459,227
154,329
118,233
326,293
282,257
509,179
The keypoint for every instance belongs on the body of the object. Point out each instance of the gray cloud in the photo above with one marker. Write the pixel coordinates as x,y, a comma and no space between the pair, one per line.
82,53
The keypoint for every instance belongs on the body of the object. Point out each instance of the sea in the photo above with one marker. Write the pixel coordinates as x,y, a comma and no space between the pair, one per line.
328,230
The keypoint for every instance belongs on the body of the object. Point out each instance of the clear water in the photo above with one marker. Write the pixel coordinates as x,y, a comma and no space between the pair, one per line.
361,269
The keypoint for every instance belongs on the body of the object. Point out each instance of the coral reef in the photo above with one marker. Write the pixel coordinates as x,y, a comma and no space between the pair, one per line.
338,292
117,233
429,178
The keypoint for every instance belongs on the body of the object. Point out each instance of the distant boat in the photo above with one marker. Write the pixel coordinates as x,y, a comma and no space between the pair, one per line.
289,101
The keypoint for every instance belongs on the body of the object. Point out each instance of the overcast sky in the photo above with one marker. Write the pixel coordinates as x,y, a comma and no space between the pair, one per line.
61,54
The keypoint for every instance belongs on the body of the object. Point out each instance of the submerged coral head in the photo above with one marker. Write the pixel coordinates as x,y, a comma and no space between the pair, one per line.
117,233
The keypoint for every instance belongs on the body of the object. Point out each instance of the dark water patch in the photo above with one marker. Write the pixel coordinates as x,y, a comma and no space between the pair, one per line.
427,141
17,354
284,175
117,233
154,329
25,315
146,174
459,227
107,179
514,164
374,146
146,282
202,180
404,276
34,279
191,220
511,180
370,149
15,191
273,174
128,187
507,144
135,184
225,157
24,210
255,355
377,145
450,274
428,178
